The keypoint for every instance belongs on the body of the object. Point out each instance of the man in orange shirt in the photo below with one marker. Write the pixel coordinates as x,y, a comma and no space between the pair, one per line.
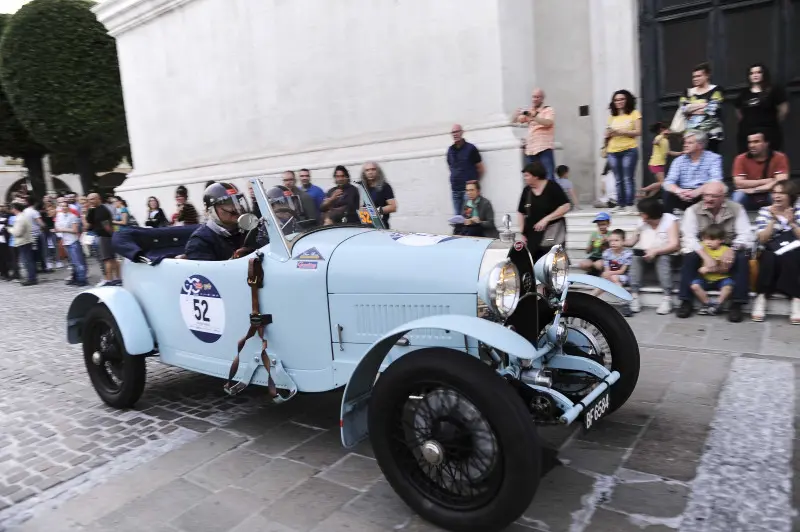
757,171
540,143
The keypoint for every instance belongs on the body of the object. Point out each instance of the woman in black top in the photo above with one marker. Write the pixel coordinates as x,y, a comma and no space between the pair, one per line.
543,204
155,214
761,106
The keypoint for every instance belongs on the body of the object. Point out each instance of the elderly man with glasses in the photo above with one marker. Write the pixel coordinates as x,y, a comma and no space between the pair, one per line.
689,173
715,209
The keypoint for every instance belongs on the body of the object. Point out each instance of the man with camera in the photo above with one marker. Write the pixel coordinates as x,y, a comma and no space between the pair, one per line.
540,143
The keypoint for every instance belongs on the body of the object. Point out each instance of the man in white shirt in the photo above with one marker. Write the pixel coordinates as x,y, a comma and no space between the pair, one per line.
66,223
715,209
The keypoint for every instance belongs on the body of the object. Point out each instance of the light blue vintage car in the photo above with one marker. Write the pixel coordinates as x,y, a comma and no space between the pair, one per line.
451,349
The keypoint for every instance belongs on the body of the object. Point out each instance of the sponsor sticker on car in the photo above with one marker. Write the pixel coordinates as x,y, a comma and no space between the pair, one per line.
310,254
202,308
306,265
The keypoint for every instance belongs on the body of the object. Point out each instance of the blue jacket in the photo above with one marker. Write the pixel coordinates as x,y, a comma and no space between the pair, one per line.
205,244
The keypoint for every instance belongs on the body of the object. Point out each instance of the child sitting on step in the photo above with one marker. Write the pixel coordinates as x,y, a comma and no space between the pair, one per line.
716,277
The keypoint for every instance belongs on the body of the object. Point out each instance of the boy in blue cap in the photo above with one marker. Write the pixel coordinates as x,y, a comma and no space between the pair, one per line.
598,243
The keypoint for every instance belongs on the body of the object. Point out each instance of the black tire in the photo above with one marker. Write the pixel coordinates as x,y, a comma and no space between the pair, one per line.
622,343
119,380
505,486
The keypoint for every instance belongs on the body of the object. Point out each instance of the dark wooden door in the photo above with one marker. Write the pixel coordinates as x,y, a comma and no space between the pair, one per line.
676,35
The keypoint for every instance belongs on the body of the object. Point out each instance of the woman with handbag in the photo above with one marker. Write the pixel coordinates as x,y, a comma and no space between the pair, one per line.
542,207
779,262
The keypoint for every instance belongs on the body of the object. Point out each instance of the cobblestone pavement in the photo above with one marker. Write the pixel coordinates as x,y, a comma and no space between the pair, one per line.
715,404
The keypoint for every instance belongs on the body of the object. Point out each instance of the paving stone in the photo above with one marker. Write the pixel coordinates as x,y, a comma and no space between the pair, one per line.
354,471
345,522
221,511
663,459
656,499
227,469
261,523
311,502
321,451
559,494
611,433
380,506
693,393
589,456
604,520
634,413
273,480
197,425
282,438
157,507
21,495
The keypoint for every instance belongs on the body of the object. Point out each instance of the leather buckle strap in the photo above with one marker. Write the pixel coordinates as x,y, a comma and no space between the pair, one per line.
258,322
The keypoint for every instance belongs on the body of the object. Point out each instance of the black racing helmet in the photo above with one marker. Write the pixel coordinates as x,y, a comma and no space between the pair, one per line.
225,195
282,198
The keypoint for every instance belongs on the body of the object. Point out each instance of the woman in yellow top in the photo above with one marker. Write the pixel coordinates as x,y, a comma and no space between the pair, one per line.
658,159
624,125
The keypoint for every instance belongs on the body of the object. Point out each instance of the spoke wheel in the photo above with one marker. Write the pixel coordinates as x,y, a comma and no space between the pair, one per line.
454,440
117,377
605,337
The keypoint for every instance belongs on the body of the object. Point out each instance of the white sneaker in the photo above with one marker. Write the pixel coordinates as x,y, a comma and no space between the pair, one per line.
636,305
59,264
666,305
794,319
759,308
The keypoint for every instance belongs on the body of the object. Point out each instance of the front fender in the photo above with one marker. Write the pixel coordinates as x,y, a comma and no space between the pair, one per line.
356,394
133,327
602,284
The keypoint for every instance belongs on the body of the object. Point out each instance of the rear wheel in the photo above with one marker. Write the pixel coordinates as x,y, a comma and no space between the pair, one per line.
454,440
117,377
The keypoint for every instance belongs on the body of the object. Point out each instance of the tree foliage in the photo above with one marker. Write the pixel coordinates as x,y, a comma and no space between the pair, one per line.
66,163
15,140
59,68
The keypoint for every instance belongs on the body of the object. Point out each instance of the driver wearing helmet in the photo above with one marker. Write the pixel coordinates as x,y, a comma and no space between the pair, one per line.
219,238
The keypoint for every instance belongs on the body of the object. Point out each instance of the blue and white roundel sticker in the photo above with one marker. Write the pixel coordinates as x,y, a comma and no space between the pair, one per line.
202,309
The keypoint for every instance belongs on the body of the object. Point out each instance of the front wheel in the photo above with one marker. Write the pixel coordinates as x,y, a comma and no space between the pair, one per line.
454,440
596,331
117,377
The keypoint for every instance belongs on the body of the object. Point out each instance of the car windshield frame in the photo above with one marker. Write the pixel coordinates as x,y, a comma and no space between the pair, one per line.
367,209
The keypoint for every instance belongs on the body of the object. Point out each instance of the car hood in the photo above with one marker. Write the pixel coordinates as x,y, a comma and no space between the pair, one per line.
391,262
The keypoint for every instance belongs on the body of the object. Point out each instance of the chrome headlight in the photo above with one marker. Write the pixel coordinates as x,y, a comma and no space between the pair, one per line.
552,269
500,288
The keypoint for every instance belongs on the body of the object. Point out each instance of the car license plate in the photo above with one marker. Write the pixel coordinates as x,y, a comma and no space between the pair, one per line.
596,410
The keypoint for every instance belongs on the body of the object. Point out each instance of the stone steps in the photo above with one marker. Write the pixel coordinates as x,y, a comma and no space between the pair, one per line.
650,297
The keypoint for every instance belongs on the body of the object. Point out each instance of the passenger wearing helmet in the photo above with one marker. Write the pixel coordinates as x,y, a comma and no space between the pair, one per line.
219,238
288,210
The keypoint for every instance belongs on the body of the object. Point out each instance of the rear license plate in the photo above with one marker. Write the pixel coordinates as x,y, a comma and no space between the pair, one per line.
596,410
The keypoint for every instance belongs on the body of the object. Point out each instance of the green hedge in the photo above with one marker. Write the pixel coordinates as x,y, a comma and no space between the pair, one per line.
15,140
59,68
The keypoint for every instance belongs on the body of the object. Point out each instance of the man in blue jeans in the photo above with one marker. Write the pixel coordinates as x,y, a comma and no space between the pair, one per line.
465,164
23,241
66,223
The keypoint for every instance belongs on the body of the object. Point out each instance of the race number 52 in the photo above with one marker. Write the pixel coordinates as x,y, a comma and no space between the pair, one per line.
201,310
